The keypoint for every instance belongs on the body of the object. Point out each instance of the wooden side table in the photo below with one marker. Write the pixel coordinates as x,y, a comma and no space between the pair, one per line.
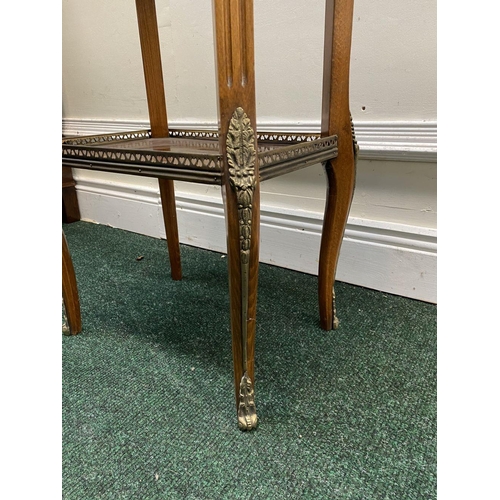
238,157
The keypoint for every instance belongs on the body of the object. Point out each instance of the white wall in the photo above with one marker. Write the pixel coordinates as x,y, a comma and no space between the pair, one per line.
393,60
393,102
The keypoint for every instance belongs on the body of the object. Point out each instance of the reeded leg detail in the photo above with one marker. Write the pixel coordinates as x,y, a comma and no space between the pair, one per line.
241,154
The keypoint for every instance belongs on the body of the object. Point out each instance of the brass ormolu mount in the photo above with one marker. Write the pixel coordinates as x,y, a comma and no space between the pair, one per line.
241,154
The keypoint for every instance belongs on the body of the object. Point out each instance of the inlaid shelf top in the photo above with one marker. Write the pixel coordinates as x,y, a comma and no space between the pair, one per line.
191,155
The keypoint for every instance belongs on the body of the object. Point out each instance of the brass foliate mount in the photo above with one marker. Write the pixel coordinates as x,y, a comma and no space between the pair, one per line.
241,155
247,414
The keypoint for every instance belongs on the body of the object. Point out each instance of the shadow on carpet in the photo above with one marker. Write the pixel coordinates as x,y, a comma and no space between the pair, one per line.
148,410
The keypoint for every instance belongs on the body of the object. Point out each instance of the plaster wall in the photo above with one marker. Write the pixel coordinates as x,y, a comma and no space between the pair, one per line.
393,69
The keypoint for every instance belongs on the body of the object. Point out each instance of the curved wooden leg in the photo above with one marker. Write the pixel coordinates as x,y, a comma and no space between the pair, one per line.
167,195
70,291
341,177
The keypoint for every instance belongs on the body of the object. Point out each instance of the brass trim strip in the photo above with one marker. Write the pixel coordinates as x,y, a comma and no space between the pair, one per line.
262,136
144,170
241,156
277,153
271,171
103,138
145,157
295,151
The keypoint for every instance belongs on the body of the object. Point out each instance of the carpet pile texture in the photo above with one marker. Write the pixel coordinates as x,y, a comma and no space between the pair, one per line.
148,409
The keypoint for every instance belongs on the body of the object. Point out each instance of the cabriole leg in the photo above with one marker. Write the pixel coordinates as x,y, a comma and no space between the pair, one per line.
341,176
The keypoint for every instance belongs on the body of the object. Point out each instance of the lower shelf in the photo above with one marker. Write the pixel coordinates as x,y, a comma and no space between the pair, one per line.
191,155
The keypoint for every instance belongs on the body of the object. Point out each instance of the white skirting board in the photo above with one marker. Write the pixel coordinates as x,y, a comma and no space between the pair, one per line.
389,257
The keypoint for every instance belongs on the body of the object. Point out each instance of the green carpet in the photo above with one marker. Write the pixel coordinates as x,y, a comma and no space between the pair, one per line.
148,409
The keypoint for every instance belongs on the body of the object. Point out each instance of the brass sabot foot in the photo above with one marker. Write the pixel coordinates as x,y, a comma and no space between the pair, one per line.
247,414
334,307
65,329
335,322
65,325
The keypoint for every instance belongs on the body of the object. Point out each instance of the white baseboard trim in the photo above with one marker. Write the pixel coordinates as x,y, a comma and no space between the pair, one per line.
380,140
389,257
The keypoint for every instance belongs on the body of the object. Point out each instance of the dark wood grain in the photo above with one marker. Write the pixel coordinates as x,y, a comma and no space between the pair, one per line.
70,207
341,170
155,92
70,290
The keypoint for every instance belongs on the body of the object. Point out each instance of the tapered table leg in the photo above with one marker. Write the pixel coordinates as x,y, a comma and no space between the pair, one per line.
170,220
238,146
157,108
70,291
241,194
